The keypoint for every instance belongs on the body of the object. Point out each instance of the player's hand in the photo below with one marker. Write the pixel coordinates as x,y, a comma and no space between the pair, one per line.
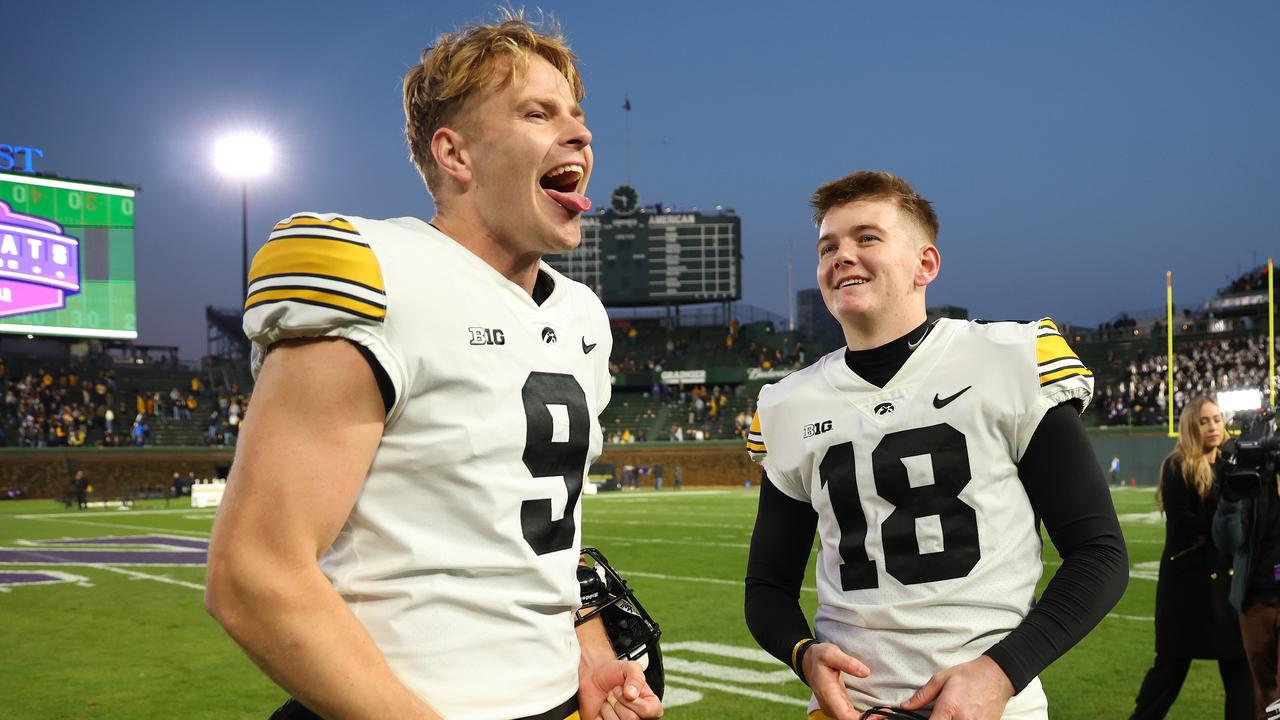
975,690
617,690
823,663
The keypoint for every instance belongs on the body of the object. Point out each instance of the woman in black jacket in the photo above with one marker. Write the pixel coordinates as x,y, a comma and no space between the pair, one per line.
1193,618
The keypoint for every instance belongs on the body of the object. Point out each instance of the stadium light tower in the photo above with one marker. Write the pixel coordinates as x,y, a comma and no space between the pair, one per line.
243,156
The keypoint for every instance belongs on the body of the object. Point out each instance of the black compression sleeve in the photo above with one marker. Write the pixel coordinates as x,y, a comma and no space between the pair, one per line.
1067,491
780,548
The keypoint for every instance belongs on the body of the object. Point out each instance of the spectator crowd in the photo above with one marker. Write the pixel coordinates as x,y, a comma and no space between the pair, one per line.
1204,368
71,407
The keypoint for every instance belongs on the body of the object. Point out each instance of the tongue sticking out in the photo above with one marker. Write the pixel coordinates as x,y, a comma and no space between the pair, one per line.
571,201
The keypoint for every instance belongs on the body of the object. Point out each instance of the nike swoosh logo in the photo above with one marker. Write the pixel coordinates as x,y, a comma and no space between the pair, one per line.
916,344
943,402
587,348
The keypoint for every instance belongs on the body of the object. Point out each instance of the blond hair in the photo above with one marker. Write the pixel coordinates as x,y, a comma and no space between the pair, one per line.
1197,466
463,62
874,185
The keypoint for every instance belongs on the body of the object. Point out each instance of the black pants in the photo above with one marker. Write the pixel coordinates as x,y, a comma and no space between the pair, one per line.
1164,680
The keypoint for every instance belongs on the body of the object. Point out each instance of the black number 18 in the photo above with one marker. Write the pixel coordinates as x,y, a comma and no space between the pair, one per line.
949,454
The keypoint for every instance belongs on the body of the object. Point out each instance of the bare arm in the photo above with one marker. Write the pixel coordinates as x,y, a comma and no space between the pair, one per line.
601,675
300,463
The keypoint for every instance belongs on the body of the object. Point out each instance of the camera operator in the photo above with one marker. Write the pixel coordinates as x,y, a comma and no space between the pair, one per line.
1247,525
1193,618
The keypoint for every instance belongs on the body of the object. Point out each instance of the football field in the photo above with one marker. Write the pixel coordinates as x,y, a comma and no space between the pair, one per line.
101,614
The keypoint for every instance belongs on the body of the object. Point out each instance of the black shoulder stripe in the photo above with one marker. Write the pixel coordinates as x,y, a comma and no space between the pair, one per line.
320,304
321,289
279,235
317,275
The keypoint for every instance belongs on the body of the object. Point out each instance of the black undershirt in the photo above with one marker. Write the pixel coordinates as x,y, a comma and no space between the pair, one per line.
1067,491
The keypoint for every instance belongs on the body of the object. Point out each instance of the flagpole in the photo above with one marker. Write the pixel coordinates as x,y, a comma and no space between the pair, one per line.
626,124
1168,285
1271,325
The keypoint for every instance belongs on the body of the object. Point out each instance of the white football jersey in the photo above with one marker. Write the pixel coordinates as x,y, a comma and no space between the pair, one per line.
929,550
460,554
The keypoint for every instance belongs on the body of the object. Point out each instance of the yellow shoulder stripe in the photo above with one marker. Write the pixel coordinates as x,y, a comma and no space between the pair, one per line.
1053,347
755,440
1047,324
311,296
304,221
318,256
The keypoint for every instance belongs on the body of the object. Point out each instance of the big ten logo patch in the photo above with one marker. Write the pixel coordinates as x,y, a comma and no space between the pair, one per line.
487,336
817,428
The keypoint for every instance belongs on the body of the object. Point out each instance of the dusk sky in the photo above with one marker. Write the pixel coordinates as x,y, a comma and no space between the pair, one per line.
1074,151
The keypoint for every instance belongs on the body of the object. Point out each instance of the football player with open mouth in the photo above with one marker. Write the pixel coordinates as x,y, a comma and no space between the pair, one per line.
401,532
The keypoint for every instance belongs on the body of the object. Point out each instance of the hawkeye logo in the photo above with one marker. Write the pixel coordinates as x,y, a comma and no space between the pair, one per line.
817,428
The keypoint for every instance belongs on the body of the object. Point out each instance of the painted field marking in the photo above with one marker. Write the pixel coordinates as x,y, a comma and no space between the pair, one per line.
1145,518
709,674
735,690
1149,570
41,576
675,697
147,576
167,511
662,541
617,496
117,526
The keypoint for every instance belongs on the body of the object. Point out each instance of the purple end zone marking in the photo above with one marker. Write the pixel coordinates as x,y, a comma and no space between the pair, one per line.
133,540
18,578
91,557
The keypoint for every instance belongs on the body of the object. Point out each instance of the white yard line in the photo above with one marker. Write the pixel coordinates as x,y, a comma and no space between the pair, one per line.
145,576
1140,618
745,526
115,526
656,495
168,511
660,541
684,579
735,690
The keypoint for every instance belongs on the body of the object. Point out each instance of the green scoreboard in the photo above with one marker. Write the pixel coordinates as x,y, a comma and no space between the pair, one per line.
66,258
633,256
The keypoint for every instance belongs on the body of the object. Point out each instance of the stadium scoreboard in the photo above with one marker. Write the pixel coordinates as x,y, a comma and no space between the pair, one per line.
66,258
631,257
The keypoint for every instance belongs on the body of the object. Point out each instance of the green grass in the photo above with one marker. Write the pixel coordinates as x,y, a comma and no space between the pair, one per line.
131,647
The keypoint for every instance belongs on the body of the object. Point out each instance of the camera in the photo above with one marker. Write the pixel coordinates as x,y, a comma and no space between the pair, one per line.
1253,457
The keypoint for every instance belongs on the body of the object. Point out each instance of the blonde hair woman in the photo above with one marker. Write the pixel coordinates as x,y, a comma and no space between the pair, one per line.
1193,617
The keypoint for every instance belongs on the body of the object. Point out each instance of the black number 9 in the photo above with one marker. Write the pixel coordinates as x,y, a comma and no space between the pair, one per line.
544,457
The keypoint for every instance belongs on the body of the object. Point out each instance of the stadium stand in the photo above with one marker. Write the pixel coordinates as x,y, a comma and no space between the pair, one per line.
678,377
109,401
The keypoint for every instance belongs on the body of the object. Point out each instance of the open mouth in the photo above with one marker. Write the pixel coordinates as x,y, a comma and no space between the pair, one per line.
561,184
851,282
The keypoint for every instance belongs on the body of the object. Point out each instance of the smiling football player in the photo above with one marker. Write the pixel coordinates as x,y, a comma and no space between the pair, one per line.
923,455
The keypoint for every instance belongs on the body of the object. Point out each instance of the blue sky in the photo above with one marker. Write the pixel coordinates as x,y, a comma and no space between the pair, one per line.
1074,152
